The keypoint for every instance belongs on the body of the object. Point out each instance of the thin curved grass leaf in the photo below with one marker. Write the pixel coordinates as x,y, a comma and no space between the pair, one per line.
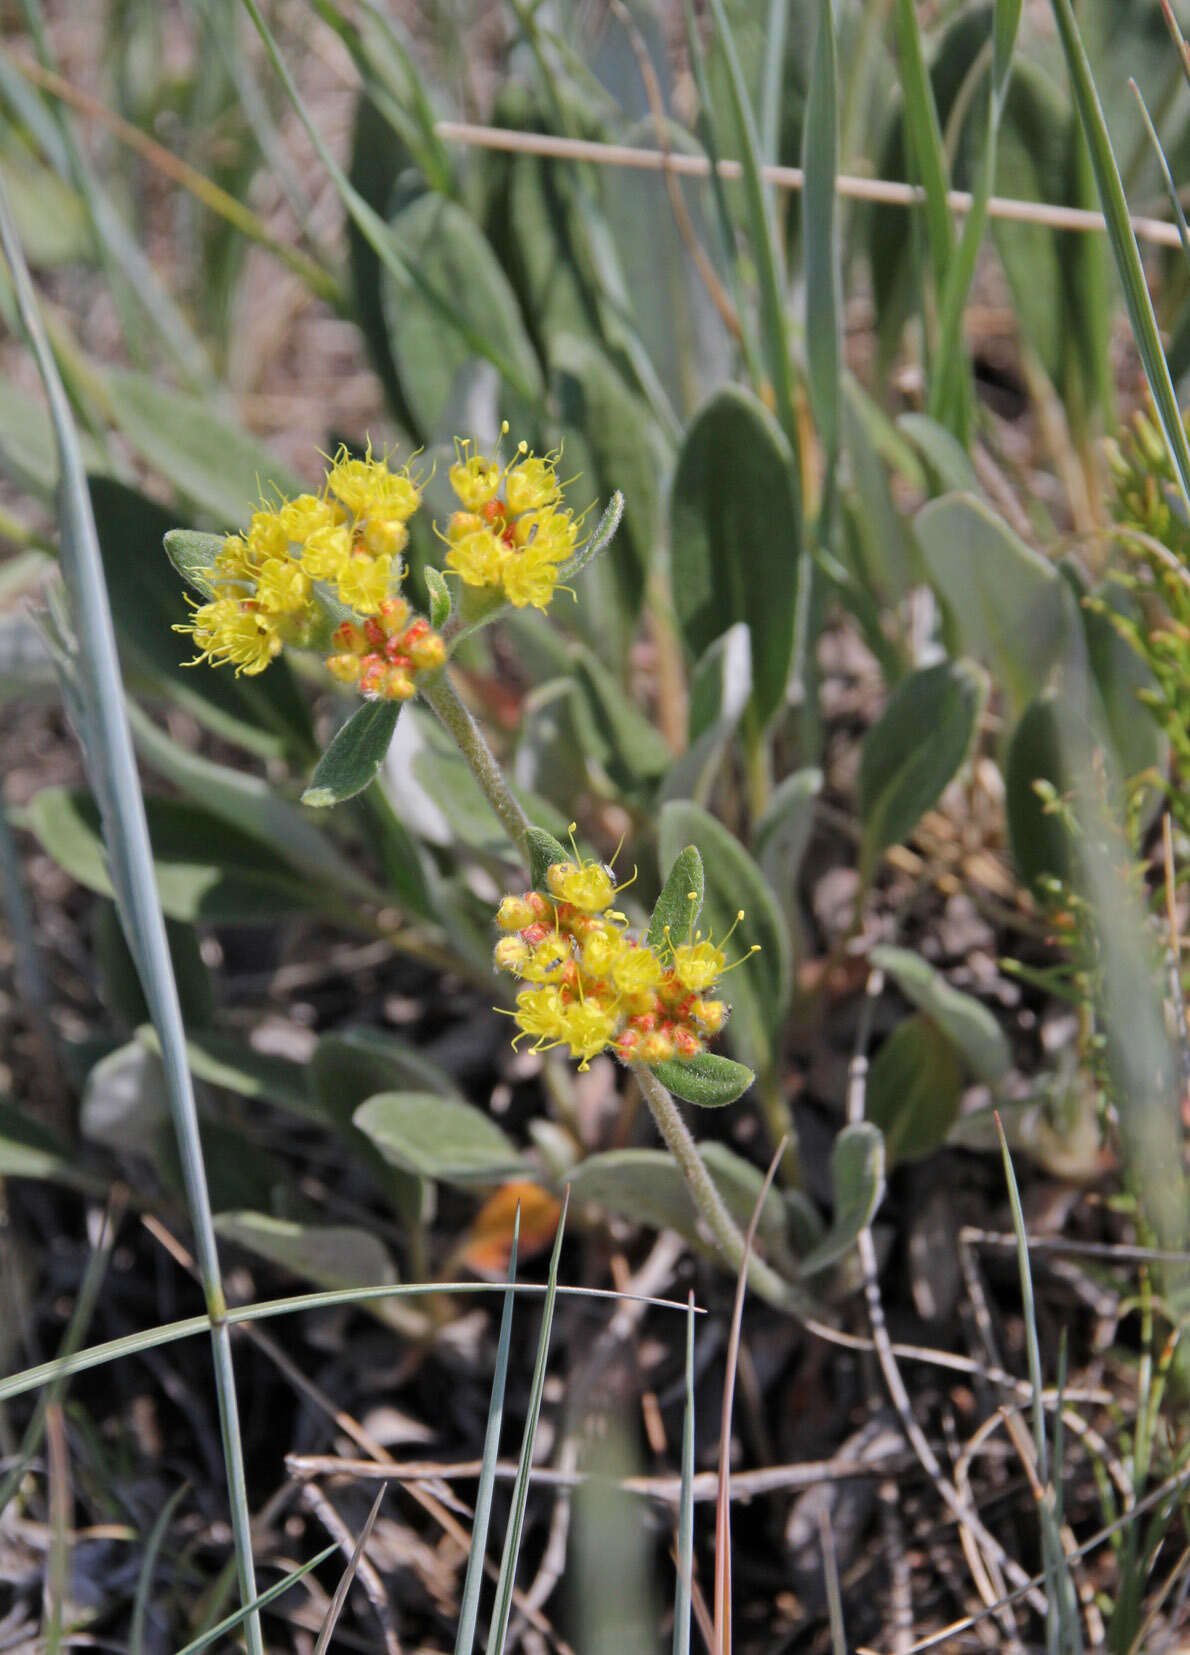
230,1622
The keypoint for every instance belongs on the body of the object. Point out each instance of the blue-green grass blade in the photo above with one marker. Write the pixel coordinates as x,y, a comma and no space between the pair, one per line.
144,1583
520,1490
773,86
473,1582
819,237
131,1344
1124,245
230,1622
683,1590
1171,188
925,137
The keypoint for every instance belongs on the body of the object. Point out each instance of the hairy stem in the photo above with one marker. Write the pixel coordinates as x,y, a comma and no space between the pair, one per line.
724,1230
442,696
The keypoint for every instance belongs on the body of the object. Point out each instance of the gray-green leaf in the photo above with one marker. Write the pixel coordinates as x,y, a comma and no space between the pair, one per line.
680,903
968,1024
707,1080
857,1168
354,756
437,1137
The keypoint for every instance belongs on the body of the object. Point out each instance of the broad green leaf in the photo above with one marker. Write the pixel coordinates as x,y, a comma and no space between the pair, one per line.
782,834
206,870
206,457
328,1255
759,989
707,1080
27,453
914,1087
1007,601
646,1187
857,1175
966,1022
740,1184
544,851
634,754
451,267
252,805
735,537
719,693
915,749
120,983
352,1065
28,1150
438,1137
947,464
1041,840
354,756
676,910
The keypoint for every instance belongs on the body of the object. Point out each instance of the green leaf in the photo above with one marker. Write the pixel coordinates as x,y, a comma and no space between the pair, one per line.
210,459
782,834
759,989
439,591
967,1024
252,805
228,1061
206,870
677,908
354,1064
946,460
438,1137
1042,846
635,755
719,693
328,1255
914,1087
707,1080
450,267
354,756
544,851
915,750
646,1187
193,555
925,136
857,1173
1007,601
735,538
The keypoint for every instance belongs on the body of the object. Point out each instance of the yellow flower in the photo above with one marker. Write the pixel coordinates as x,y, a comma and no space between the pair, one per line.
479,558
363,583
282,587
529,580
306,515
636,971
327,551
228,630
531,483
475,478
266,536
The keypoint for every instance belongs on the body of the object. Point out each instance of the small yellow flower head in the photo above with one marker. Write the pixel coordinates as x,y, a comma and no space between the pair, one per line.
354,483
479,557
229,630
267,536
709,1015
586,885
235,563
589,1027
529,580
347,668
531,483
475,478
326,551
388,651
511,954
282,587
363,583
541,1013
306,515
699,965
515,913
601,950
636,971
385,536
548,959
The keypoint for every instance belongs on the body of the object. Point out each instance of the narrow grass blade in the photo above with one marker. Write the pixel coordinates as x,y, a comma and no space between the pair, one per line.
520,1490
1171,188
1124,244
31,1379
819,240
764,241
112,765
685,1556
774,80
925,137
230,1622
327,1631
144,1584
1063,1631
377,233
723,1503
477,1556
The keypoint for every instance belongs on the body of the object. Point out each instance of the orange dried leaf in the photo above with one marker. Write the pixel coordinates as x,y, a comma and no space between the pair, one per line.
489,1242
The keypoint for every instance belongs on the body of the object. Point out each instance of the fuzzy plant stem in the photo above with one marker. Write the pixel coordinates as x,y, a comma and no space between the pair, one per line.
726,1233
444,699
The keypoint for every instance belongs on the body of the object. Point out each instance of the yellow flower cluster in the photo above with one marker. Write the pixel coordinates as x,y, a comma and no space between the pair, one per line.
593,986
513,532
348,537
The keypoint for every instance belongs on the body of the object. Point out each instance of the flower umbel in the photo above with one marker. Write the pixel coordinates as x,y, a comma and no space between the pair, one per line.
514,533
594,986
348,538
